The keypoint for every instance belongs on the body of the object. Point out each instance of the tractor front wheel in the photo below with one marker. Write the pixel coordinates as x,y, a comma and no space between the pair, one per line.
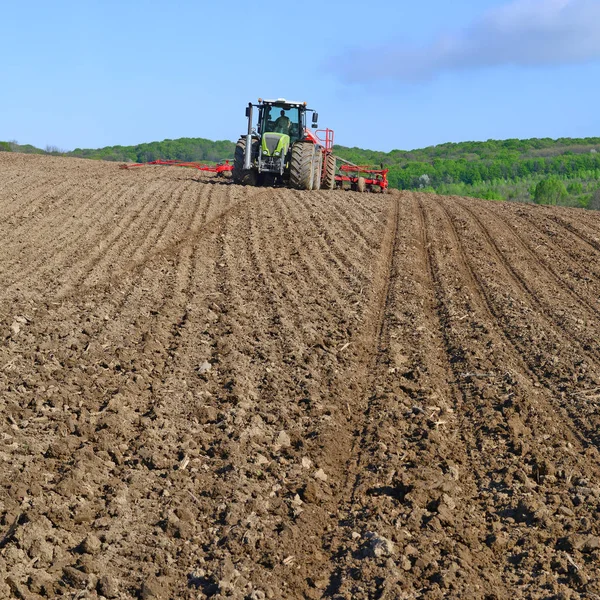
239,174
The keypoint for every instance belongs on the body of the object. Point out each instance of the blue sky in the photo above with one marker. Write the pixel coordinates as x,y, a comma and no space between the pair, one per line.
397,75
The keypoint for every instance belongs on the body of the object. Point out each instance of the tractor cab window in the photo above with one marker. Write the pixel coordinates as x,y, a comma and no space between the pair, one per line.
280,119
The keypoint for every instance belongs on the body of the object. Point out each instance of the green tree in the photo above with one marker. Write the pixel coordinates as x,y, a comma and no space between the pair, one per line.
550,191
575,188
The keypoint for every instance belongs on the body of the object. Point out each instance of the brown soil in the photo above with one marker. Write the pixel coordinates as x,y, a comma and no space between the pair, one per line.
215,391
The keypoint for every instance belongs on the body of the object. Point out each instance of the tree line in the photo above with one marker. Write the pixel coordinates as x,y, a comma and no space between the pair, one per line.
496,169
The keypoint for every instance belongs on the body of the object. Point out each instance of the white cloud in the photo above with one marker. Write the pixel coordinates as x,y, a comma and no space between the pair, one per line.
522,33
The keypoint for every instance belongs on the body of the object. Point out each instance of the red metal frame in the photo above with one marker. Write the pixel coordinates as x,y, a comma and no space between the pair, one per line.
326,141
218,169
378,176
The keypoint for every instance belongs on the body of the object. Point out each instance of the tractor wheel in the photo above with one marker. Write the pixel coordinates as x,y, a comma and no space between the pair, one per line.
302,165
239,174
318,169
329,182
361,186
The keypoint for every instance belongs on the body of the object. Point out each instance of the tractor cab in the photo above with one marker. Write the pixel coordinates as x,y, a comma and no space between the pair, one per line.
280,124
282,118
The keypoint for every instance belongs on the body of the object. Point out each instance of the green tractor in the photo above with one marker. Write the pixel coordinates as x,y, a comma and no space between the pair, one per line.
280,150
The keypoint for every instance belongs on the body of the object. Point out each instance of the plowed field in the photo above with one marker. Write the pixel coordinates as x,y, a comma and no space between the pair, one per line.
215,391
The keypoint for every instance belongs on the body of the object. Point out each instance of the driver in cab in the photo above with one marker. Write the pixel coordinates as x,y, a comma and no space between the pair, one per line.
282,124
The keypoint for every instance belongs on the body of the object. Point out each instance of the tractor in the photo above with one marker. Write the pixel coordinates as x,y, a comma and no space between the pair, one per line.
279,149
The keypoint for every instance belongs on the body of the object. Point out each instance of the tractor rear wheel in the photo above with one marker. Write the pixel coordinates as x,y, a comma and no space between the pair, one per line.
361,186
239,174
318,169
302,165
329,182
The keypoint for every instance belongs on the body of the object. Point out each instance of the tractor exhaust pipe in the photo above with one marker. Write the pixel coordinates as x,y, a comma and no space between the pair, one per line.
248,150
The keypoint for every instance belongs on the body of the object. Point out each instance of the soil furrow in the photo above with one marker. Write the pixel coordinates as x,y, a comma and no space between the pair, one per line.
578,265
548,271
510,332
562,325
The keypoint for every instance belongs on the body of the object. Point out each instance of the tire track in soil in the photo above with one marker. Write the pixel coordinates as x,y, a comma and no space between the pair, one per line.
249,265
549,271
513,337
247,288
547,314
383,409
547,375
576,273
593,242
499,420
338,449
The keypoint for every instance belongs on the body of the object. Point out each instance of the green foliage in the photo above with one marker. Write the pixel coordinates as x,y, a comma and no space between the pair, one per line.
15,147
575,188
550,191
492,195
508,169
186,149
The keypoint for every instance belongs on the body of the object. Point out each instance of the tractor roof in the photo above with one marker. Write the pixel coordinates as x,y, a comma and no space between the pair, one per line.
281,101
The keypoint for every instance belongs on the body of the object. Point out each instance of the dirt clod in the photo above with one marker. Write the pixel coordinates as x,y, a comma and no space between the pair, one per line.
91,544
378,545
108,586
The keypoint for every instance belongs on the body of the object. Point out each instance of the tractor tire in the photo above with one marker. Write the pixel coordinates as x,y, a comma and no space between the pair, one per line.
318,169
239,174
330,164
302,165
361,186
